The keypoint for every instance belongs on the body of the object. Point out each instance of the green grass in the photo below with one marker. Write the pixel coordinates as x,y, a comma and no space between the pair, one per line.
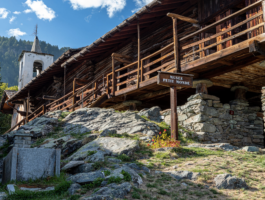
124,158
60,191
94,184
107,172
90,153
161,155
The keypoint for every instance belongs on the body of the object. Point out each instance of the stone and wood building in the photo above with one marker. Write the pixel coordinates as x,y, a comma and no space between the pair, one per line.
220,42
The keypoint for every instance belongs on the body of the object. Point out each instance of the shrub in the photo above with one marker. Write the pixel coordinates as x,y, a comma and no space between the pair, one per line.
107,172
90,153
96,183
113,179
164,140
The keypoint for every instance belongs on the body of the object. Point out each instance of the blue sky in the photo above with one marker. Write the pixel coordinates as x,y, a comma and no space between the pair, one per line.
66,23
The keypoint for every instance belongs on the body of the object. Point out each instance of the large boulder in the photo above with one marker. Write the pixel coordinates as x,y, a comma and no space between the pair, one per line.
83,178
97,119
179,175
111,191
38,127
106,146
152,113
227,181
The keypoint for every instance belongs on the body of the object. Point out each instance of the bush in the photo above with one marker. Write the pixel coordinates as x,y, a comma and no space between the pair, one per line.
164,140
113,179
96,183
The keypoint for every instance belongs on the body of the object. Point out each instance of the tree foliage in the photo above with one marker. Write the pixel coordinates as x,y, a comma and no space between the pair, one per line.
11,48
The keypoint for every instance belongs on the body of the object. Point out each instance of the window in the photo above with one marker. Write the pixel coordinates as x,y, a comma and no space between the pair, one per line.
37,68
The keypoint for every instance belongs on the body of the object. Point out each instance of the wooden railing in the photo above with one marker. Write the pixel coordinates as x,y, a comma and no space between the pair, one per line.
196,50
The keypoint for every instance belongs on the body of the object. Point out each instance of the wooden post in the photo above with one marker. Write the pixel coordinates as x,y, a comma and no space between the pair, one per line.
95,88
174,114
27,109
113,77
107,89
176,44
44,109
139,55
263,9
142,71
74,95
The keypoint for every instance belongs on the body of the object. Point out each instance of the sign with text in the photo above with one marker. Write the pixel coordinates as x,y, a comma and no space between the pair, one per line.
174,79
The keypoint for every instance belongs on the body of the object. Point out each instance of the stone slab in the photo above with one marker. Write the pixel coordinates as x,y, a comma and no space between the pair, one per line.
22,164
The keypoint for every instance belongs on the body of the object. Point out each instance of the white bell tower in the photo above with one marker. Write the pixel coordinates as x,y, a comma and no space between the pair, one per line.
32,63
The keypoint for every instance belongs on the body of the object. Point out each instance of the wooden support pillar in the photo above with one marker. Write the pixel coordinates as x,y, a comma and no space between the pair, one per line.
139,55
107,89
95,88
64,78
174,114
263,9
176,45
27,109
74,96
44,109
113,77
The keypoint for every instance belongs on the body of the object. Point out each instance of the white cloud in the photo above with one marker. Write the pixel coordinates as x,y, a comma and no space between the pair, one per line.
3,13
28,11
16,32
12,19
140,4
40,9
16,12
88,18
112,6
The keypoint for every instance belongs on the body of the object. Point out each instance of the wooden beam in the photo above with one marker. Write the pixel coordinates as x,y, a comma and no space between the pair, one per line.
122,60
27,109
81,81
183,18
121,56
45,97
113,77
213,25
256,48
176,45
153,94
74,97
139,54
17,102
225,62
263,9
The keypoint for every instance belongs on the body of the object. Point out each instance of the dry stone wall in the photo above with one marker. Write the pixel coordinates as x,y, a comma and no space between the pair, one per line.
211,121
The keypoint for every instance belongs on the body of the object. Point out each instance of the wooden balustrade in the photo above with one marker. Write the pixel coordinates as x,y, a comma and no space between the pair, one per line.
201,44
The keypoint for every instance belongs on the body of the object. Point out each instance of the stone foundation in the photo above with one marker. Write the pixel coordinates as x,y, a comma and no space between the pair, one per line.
211,121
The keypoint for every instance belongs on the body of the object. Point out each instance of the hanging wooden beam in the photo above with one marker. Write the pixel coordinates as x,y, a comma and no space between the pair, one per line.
183,18
263,9
139,54
95,89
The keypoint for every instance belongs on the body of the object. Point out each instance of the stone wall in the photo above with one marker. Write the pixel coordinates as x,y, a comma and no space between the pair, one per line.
211,121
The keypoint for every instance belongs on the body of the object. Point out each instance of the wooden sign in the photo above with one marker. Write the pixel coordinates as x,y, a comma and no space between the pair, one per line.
174,80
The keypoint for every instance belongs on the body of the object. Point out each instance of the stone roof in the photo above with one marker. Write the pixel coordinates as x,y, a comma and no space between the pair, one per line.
36,46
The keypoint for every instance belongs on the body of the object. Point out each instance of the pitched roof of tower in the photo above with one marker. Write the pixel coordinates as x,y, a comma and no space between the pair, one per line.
36,46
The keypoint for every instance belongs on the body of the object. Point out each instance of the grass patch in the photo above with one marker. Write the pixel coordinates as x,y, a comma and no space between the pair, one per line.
90,153
124,158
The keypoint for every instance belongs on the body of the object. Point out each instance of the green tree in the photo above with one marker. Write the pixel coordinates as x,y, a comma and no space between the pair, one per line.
5,119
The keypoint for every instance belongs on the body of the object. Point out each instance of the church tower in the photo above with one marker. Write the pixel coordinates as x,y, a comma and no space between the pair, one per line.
32,63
